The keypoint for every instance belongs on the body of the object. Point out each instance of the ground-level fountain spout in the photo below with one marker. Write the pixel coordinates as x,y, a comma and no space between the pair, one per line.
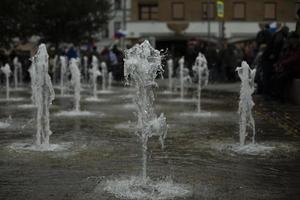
142,65
246,103
6,70
201,70
75,81
43,95
170,64
95,73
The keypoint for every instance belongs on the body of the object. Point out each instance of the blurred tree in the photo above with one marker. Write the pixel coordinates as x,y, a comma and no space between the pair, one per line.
16,20
70,20
54,20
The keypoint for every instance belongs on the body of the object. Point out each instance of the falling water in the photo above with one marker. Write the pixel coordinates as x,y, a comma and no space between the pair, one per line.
6,70
95,73
54,68
104,73
75,81
141,66
17,71
170,70
85,67
246,103
32,73
181,66
43,95
63,70
110,79
200,68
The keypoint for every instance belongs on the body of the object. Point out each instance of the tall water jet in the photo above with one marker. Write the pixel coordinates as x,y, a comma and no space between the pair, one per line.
170,64
104,74
85,68
95,73
201,70
181,67
63,70
142,63
43,95
75,81
246,103
54,68
18,74
33,79
6,70
110,79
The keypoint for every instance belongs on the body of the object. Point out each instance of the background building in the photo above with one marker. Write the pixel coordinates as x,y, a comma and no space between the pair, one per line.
176,21
119,16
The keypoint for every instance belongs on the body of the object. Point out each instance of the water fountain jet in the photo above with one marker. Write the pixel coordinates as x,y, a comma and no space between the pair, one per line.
246,103
142,64
7,72
200,68
43,95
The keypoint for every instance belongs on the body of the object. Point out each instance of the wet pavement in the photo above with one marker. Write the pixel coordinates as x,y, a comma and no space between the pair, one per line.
97,149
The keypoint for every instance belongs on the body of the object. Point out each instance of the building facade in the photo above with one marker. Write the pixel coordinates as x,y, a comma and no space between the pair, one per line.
119,16
168,20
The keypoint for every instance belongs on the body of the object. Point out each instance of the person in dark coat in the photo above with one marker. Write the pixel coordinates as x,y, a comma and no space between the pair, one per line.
271,56
287,68
263,36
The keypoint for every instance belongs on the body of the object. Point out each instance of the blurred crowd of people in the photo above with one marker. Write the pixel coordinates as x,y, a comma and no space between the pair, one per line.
112,56
274,53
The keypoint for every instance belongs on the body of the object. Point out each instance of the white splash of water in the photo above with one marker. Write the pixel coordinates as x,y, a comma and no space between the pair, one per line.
246,103
142,64
110,79
18,73
54,63
6,70
170,64
201,70
4,125
104,74
146,189
85,67
75,81
184,77
43,95
63,70
95,73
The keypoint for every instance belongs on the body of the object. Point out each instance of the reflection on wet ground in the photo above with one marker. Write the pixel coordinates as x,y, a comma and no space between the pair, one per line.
105,148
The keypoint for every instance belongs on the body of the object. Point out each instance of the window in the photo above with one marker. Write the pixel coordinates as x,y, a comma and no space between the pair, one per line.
178,11
239,10
117,26
208,10
270,10
118,4
148,12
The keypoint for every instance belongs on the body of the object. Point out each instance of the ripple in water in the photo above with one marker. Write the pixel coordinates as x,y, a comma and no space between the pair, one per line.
26,106
139,188
75,113
12,99
199,114
248,149
95,99
4,124
33,147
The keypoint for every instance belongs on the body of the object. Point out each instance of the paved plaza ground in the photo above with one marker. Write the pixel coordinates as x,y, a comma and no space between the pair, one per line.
104,147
